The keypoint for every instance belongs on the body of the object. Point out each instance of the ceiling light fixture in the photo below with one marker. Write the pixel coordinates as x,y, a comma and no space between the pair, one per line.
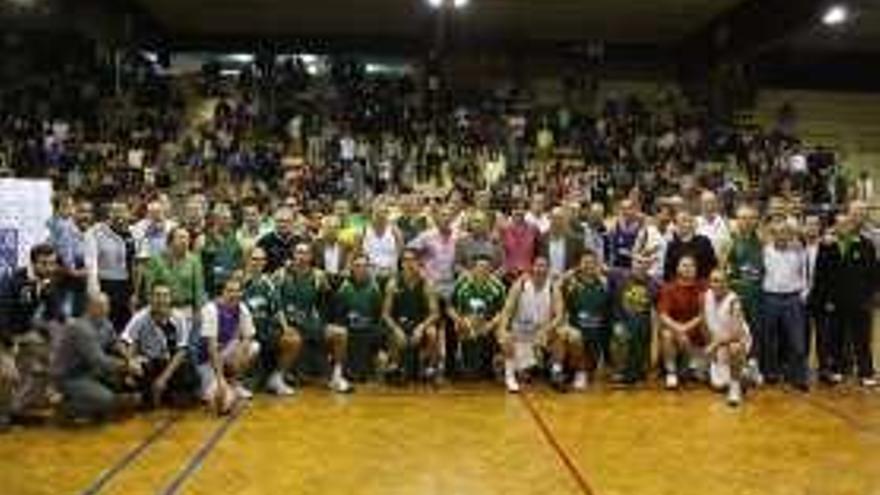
835,15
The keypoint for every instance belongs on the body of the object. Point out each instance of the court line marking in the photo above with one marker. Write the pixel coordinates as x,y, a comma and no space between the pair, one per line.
125,461
563,456
197,459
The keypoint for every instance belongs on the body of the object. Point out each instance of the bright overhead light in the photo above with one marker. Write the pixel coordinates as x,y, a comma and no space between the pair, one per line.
242,58
458,4
835,15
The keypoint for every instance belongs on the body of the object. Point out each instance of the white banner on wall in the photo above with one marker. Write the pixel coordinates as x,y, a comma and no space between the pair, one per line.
25,209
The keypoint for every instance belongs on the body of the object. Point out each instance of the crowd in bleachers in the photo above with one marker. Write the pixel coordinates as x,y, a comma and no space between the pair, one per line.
357,236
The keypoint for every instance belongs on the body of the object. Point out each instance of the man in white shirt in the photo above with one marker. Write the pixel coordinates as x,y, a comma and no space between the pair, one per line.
783,316
712,224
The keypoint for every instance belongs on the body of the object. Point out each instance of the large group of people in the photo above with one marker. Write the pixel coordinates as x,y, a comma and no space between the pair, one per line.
550,248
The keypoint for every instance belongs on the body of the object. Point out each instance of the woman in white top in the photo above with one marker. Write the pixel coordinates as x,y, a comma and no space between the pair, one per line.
381,244
729,334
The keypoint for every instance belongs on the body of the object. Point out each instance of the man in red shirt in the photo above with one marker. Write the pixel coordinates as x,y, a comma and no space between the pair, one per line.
681,320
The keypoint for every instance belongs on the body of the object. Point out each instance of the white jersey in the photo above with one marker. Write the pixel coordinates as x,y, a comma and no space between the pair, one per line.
720,319
533,309
382,250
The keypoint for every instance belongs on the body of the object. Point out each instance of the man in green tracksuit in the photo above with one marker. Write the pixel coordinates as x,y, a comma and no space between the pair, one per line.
222,253
745,270
302,294
278,348
357,307
475,309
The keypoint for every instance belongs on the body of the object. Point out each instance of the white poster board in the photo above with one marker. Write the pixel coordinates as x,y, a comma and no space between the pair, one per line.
25,209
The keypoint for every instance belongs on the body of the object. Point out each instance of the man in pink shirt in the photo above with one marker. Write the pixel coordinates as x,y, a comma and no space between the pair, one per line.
519,240
436,247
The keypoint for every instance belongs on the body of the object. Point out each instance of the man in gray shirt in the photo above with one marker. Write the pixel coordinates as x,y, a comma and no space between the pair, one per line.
85,372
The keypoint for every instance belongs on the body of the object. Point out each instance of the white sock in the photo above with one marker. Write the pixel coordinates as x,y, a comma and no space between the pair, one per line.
556,368
509,371
337,371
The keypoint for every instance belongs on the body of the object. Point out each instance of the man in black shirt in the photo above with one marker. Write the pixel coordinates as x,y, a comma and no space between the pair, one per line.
279,243
687,243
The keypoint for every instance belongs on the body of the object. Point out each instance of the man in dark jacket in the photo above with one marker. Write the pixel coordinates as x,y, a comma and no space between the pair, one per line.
688,243
560,246
845,280
30,308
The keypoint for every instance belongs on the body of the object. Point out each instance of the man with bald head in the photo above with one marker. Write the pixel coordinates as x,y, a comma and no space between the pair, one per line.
279,244
712,224
85,373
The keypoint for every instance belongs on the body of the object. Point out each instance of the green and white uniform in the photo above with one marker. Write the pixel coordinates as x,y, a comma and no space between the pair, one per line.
588,303
301,297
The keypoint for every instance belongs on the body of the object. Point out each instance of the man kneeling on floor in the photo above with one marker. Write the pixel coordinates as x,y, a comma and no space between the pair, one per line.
159,341
729,334
85,374
533,311
227,348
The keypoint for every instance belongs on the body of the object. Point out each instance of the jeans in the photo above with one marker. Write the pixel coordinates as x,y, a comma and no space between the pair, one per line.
782,329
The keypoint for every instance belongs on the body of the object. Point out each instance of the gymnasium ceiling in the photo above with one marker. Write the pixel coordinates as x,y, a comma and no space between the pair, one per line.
629,21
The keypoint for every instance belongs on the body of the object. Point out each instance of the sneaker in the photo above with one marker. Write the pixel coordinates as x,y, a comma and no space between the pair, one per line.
242,391
835,378
511,384
431,375
557,380
671,381
340,385
734,394
580,381
277,386
869,382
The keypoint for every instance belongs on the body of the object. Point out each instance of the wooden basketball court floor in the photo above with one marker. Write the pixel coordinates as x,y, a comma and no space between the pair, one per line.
470,440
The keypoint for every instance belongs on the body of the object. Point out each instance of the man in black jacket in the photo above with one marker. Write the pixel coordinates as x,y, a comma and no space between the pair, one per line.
687,243
29,309
845,280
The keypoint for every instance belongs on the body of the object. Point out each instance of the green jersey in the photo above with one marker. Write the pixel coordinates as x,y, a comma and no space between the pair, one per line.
300,295
261,299
411,305
480,298
220,257
357,306
745,265
185,278
588,302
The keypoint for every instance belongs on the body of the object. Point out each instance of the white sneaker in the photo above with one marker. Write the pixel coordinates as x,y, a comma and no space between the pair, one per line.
243,392
580,381
340,385
869,382
835,378
512,384
277,386
734,394
671,381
